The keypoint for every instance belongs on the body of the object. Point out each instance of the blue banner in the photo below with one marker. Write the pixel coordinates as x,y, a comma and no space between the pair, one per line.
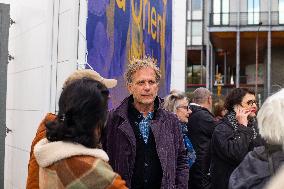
118,30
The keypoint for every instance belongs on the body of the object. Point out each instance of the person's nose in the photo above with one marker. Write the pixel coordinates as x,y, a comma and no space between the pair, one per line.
254,105
189,111
147,86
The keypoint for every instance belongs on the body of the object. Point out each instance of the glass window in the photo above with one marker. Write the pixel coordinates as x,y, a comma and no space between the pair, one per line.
217,6
196,5
196,35
256,6
196,28
281,11
188,33
225,6
225,12
250,5
196,74
253,11
221,9
216,12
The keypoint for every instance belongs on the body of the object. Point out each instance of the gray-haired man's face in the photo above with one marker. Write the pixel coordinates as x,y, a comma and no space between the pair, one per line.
144,86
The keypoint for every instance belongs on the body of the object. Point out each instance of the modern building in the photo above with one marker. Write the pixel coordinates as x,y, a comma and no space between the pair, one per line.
235,39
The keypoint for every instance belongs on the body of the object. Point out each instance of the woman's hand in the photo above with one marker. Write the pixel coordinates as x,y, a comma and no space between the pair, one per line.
242,115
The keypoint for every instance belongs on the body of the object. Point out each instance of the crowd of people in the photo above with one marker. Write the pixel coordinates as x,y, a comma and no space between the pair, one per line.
148,142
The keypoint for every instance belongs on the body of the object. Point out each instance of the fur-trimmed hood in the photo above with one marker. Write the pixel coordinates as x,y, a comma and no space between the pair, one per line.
47,153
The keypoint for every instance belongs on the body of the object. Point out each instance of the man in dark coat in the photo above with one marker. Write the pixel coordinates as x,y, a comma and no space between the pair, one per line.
143,141
201,125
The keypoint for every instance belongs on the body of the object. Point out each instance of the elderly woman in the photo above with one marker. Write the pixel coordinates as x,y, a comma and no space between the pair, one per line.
261,163
177,103
70,155
234,136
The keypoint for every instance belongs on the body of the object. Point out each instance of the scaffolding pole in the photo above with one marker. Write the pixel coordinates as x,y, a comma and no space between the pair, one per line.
238,60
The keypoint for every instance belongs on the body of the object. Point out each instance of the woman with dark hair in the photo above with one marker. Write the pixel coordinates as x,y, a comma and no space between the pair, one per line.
70,155
234,136
264,162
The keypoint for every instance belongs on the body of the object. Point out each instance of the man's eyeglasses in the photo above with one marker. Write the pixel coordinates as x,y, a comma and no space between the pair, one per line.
251,102
184,107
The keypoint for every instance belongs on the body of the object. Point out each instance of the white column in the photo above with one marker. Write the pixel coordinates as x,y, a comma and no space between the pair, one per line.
178,66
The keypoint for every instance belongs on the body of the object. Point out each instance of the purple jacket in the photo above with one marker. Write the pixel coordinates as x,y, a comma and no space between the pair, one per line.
120,144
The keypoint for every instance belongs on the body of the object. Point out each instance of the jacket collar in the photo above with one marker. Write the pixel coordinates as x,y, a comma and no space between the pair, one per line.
47,153
122,109
196,108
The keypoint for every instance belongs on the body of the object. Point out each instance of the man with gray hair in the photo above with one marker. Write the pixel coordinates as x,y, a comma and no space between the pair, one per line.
144,141
201,125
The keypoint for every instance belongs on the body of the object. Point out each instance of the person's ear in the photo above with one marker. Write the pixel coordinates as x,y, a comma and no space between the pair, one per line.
129,88
208,99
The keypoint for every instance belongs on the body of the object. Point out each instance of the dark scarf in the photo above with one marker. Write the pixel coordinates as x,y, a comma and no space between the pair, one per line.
231,116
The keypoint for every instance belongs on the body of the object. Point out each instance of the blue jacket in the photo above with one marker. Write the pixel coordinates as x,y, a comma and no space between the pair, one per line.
120,144
188,145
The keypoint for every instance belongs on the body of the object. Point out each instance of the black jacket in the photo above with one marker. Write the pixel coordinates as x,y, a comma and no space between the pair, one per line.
229,147
201,125
257,168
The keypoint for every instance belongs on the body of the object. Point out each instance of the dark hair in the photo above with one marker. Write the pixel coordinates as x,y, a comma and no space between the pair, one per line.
82,109
235,97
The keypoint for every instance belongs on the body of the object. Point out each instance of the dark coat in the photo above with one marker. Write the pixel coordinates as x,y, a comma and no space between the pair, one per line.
201,125
229,148
257,168
120,144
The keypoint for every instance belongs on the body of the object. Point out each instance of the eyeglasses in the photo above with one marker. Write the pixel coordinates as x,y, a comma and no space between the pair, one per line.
184,107
251,102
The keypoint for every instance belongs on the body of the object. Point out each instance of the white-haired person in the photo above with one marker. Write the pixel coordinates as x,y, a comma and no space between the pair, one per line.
177,103
263,162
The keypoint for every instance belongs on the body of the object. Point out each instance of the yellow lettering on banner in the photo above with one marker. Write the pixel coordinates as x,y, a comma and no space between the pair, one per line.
121,4
159,28
163,30
136,49
165,3
146,7
149,19
153,23
137,19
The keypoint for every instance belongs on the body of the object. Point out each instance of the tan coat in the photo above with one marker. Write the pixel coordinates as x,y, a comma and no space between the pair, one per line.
71,165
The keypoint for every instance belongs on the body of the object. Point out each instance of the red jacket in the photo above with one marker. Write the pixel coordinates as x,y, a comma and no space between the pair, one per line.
33,168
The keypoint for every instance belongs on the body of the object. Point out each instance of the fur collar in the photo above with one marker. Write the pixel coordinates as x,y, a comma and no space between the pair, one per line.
47,153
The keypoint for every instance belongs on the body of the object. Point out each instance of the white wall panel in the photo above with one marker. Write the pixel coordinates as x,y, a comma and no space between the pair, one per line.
65,36
26,93
178,45
21,135
29,50
64,69
16,175
28,14
82,43
33,43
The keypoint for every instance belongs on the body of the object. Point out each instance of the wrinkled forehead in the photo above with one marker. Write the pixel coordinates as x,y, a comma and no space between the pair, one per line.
144,74
183,102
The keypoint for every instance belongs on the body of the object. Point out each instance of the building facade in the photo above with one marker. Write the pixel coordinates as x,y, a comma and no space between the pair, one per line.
229,41
47,43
